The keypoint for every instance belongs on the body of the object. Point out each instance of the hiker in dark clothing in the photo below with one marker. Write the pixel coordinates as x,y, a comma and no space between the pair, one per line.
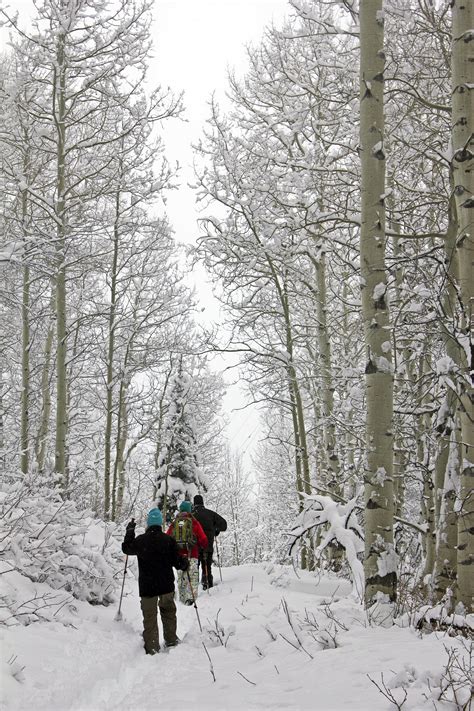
157,555
213,524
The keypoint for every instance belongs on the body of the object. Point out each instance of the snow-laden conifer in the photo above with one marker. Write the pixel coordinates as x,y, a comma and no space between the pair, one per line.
179,474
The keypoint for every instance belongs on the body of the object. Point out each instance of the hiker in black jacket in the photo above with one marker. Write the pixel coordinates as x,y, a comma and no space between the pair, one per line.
213,524
157,555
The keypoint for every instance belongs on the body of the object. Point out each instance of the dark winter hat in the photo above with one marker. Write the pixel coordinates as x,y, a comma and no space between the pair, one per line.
198,500
154,518
185,506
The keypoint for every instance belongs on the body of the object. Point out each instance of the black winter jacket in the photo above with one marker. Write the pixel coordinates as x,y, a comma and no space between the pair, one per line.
157,555
211,522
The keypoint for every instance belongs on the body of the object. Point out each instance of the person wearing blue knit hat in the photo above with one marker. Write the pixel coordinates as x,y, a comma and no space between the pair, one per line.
157,555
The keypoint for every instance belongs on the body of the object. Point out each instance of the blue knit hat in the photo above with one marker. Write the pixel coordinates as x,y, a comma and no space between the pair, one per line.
154,518
185,506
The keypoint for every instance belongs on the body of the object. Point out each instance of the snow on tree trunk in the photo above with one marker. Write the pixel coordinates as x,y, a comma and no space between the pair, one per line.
462,167
445,569
380,559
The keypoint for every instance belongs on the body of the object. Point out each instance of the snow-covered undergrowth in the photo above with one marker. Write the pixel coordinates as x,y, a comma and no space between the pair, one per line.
50,553
271,640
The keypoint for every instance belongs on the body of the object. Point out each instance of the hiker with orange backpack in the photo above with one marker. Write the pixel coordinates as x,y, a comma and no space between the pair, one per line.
190,537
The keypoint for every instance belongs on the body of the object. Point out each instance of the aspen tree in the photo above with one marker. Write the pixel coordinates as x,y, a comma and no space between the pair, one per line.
463,176
447,427
380,564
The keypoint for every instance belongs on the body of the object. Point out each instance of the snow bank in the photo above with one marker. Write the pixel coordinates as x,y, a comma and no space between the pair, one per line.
301,643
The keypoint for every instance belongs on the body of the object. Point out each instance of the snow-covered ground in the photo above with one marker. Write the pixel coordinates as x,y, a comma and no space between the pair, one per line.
270,639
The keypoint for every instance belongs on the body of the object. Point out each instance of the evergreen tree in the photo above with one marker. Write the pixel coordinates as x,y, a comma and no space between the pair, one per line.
179,475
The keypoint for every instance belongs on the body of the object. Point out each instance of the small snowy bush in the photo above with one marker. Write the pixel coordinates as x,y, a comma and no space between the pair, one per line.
451,688
335,522
47,539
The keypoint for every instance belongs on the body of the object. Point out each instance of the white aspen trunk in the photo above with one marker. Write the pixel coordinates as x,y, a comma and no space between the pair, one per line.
74,349
327,400
348,441
422,427
380,562
428,508
445,569
299,477
110,368
60,275
2,421
447,455
235,522
399,454
299,433
463,175
25,345
43,430
119,469
120,443
331,457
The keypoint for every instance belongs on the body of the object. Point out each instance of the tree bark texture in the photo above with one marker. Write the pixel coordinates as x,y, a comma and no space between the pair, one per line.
462,168
380,569
448,458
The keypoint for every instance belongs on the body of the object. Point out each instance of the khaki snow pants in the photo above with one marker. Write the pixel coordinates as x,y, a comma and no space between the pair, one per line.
167,607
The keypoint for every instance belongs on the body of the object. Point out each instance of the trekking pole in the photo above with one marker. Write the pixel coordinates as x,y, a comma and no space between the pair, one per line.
218,559
118,616
194,598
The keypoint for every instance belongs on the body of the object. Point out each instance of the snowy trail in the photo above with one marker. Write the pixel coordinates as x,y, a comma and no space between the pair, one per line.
100,665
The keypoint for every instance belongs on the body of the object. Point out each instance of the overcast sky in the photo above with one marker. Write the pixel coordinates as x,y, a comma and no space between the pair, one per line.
195,42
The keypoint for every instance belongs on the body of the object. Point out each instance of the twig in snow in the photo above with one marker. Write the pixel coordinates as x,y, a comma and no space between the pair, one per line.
290,622
211,667
244,677
385,691
241,613
272,634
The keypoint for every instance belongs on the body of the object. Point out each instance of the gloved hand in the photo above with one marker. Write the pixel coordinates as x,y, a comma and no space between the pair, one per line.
131,525
184,563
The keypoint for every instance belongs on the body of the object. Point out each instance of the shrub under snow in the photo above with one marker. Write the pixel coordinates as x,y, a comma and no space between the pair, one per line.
47,539
336,522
